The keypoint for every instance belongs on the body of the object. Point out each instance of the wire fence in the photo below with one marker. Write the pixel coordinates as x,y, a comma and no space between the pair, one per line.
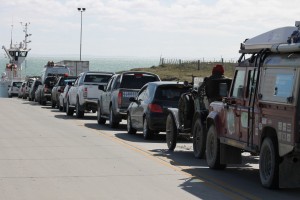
200,64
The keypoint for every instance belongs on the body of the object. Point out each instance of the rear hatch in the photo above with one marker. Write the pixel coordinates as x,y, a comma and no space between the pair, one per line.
49,84
130,85
167,96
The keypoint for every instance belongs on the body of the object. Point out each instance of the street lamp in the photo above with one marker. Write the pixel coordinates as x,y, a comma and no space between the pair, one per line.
81,10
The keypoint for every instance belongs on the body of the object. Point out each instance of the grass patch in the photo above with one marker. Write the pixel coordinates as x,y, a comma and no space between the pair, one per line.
185,71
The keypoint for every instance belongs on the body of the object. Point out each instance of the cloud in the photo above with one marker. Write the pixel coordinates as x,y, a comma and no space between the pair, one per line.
178,23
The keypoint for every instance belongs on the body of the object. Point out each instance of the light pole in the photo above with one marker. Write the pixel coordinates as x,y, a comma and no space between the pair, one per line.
81,10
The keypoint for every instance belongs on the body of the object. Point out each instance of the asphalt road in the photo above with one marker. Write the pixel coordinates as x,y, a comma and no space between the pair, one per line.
45,154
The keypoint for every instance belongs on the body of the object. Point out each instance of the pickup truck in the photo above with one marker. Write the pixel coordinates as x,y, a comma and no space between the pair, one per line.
84,94
113,102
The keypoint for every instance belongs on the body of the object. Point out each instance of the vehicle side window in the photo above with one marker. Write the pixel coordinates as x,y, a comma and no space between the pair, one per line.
238,87
278,85
117,82
143,94
108,88
251,83
76,82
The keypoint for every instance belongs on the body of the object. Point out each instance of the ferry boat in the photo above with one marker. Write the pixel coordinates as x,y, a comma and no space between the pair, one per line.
16,54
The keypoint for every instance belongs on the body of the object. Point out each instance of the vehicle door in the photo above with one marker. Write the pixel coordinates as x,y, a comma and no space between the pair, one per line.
73,92
235,108
138,108
105,97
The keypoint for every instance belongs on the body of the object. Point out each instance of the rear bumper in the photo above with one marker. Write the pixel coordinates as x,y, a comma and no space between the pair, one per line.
157,122
121,113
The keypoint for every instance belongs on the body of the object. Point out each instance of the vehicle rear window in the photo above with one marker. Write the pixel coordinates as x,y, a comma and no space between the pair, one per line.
65,80
96,78
136,81
170,93
50,81
17,84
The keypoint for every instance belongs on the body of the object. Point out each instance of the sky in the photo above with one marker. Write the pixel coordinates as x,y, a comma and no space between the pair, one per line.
143,28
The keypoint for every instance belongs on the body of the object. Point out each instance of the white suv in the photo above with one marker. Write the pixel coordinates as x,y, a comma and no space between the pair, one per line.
13,88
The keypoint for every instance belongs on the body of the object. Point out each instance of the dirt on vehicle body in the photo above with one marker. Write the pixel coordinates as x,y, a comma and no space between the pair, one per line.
260,113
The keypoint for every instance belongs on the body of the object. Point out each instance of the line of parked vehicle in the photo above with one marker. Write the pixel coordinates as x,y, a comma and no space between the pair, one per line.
141,98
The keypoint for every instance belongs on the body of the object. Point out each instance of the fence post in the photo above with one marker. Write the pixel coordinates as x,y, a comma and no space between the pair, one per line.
198,65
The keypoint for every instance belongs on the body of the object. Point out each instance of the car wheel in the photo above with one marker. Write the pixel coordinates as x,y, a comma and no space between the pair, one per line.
130,130
269,164
171,133
147,133
64,107
113,123
100,119
9,96
53,104
199,139
58,104
79,111
69,110
213,149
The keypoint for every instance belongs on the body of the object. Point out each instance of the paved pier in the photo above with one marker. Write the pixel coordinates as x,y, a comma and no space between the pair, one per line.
46,155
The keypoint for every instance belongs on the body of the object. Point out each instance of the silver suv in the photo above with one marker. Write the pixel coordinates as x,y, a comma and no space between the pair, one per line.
13,88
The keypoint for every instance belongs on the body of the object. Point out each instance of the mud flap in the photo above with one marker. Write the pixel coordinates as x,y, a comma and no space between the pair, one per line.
289,172
230,154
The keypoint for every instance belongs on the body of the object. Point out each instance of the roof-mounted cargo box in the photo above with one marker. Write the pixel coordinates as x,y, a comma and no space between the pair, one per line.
285,39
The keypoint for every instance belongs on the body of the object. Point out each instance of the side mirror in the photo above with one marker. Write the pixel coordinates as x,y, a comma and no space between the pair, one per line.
101,87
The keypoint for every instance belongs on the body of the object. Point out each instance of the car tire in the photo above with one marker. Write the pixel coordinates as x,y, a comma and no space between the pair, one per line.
64,107
53,104
44,103
79,111
269,164
100,119
69,110
213,149
113,123
130,130
199,138
58,104
171,132
147,133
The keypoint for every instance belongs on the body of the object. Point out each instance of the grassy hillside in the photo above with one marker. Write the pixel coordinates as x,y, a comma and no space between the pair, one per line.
186,71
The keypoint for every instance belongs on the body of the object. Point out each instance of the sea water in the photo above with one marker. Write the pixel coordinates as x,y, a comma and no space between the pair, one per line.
34,64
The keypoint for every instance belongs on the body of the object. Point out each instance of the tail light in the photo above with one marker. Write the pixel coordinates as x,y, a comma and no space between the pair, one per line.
85,91
120,95
155,108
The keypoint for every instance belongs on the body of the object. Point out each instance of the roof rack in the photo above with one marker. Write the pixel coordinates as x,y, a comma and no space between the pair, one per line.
280,40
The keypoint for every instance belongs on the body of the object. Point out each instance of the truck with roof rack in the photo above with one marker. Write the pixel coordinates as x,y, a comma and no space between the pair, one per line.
261,114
